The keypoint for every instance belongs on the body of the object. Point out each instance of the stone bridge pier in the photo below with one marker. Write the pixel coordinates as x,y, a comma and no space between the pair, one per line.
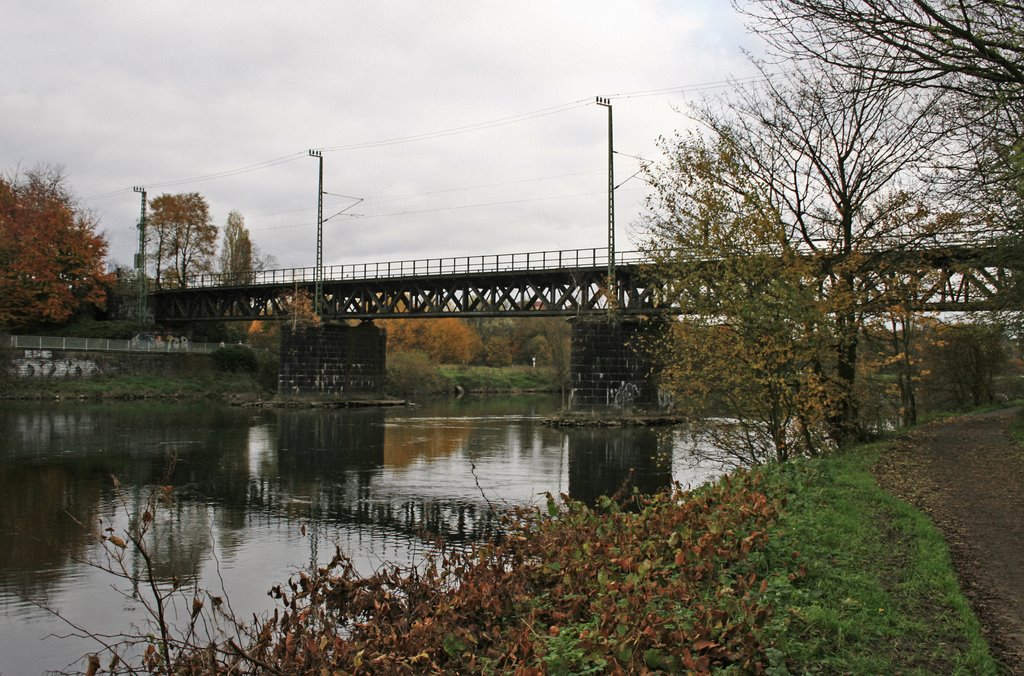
332,360
610,370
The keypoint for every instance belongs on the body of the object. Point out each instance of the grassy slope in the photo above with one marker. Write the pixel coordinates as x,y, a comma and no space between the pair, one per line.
211,384
879,595
500,379
857,581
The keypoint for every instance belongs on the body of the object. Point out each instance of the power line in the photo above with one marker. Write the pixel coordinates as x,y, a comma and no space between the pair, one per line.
513,119
229,172
106,195
543,112
401,196
478,205
687,89
442,191
205,177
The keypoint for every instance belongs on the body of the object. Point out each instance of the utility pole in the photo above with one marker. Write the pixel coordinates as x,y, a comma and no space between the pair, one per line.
318,274
611,204
140,260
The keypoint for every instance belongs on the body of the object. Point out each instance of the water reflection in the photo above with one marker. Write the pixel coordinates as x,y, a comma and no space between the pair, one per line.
258,493
638,458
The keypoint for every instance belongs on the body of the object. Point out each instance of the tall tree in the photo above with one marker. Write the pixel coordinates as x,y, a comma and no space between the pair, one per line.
186,238
828,156
971,51
448,340
51,256
972,46
236,254
755,333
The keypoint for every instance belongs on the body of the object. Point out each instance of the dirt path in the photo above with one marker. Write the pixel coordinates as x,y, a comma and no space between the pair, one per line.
968,475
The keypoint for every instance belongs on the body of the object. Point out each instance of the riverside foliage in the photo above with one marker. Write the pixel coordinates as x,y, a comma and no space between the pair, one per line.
804,566
678,583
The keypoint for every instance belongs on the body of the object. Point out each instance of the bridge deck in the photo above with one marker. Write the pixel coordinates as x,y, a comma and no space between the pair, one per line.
556,283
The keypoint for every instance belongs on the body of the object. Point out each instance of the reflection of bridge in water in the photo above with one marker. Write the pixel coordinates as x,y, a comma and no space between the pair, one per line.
367,479
346,452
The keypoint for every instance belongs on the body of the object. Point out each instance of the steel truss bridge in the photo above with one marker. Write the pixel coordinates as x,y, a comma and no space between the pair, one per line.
952,277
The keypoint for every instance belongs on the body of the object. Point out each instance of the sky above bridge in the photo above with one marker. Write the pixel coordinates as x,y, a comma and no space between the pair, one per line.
465,126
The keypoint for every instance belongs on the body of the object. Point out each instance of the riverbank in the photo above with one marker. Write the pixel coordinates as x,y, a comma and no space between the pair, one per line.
195,383
499,379
208,385
805,567
967,474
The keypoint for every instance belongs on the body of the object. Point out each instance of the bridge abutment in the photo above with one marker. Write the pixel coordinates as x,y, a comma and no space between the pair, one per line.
609,368
332,360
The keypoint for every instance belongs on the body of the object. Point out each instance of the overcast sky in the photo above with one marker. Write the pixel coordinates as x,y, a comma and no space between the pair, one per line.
467,127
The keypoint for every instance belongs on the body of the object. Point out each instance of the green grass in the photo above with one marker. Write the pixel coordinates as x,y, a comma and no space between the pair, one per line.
879,594
1017,427
212,385
501,379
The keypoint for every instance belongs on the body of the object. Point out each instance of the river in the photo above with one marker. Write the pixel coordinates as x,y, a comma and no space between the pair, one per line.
258,494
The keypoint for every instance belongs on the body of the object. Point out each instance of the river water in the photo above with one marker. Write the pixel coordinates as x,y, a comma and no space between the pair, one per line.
259,494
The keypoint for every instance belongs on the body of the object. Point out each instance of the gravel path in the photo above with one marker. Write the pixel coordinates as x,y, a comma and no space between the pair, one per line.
968,475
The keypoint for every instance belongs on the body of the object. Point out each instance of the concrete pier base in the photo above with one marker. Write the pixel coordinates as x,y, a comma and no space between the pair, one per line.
332,360
609,368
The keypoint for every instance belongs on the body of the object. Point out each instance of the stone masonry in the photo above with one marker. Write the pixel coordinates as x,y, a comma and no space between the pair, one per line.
609,370
332,360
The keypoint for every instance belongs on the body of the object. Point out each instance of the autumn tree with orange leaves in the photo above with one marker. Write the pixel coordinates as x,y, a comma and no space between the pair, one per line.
447,340
185,237
51,256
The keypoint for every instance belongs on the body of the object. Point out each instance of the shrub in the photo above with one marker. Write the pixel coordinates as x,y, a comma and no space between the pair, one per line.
413,373
269,364
235,359
965,361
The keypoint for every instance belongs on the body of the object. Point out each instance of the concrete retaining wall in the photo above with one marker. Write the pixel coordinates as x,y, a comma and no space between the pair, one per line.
66,364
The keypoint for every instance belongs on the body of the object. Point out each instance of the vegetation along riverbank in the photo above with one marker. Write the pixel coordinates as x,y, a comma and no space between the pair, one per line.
237,372
805,566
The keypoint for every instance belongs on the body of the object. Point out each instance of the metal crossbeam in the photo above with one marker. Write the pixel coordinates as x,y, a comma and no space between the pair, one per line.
560,283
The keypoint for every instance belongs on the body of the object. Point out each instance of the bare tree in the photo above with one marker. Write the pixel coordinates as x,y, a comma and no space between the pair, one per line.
972,51
971,46
834,160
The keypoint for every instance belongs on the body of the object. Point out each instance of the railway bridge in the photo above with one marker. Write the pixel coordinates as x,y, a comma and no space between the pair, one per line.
609,310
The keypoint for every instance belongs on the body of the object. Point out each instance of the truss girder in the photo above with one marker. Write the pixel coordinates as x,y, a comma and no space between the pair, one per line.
953,280
546,292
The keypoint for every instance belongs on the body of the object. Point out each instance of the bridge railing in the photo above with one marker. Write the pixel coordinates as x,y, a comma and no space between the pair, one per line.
425,267
596,257
137,344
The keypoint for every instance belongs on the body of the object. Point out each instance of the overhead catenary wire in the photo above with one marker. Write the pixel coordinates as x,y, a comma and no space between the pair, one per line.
458,207
688,89
378,199
463,129
228,172
205,177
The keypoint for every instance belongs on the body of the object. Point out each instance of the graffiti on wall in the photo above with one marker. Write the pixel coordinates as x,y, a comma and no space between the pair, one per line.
42,364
